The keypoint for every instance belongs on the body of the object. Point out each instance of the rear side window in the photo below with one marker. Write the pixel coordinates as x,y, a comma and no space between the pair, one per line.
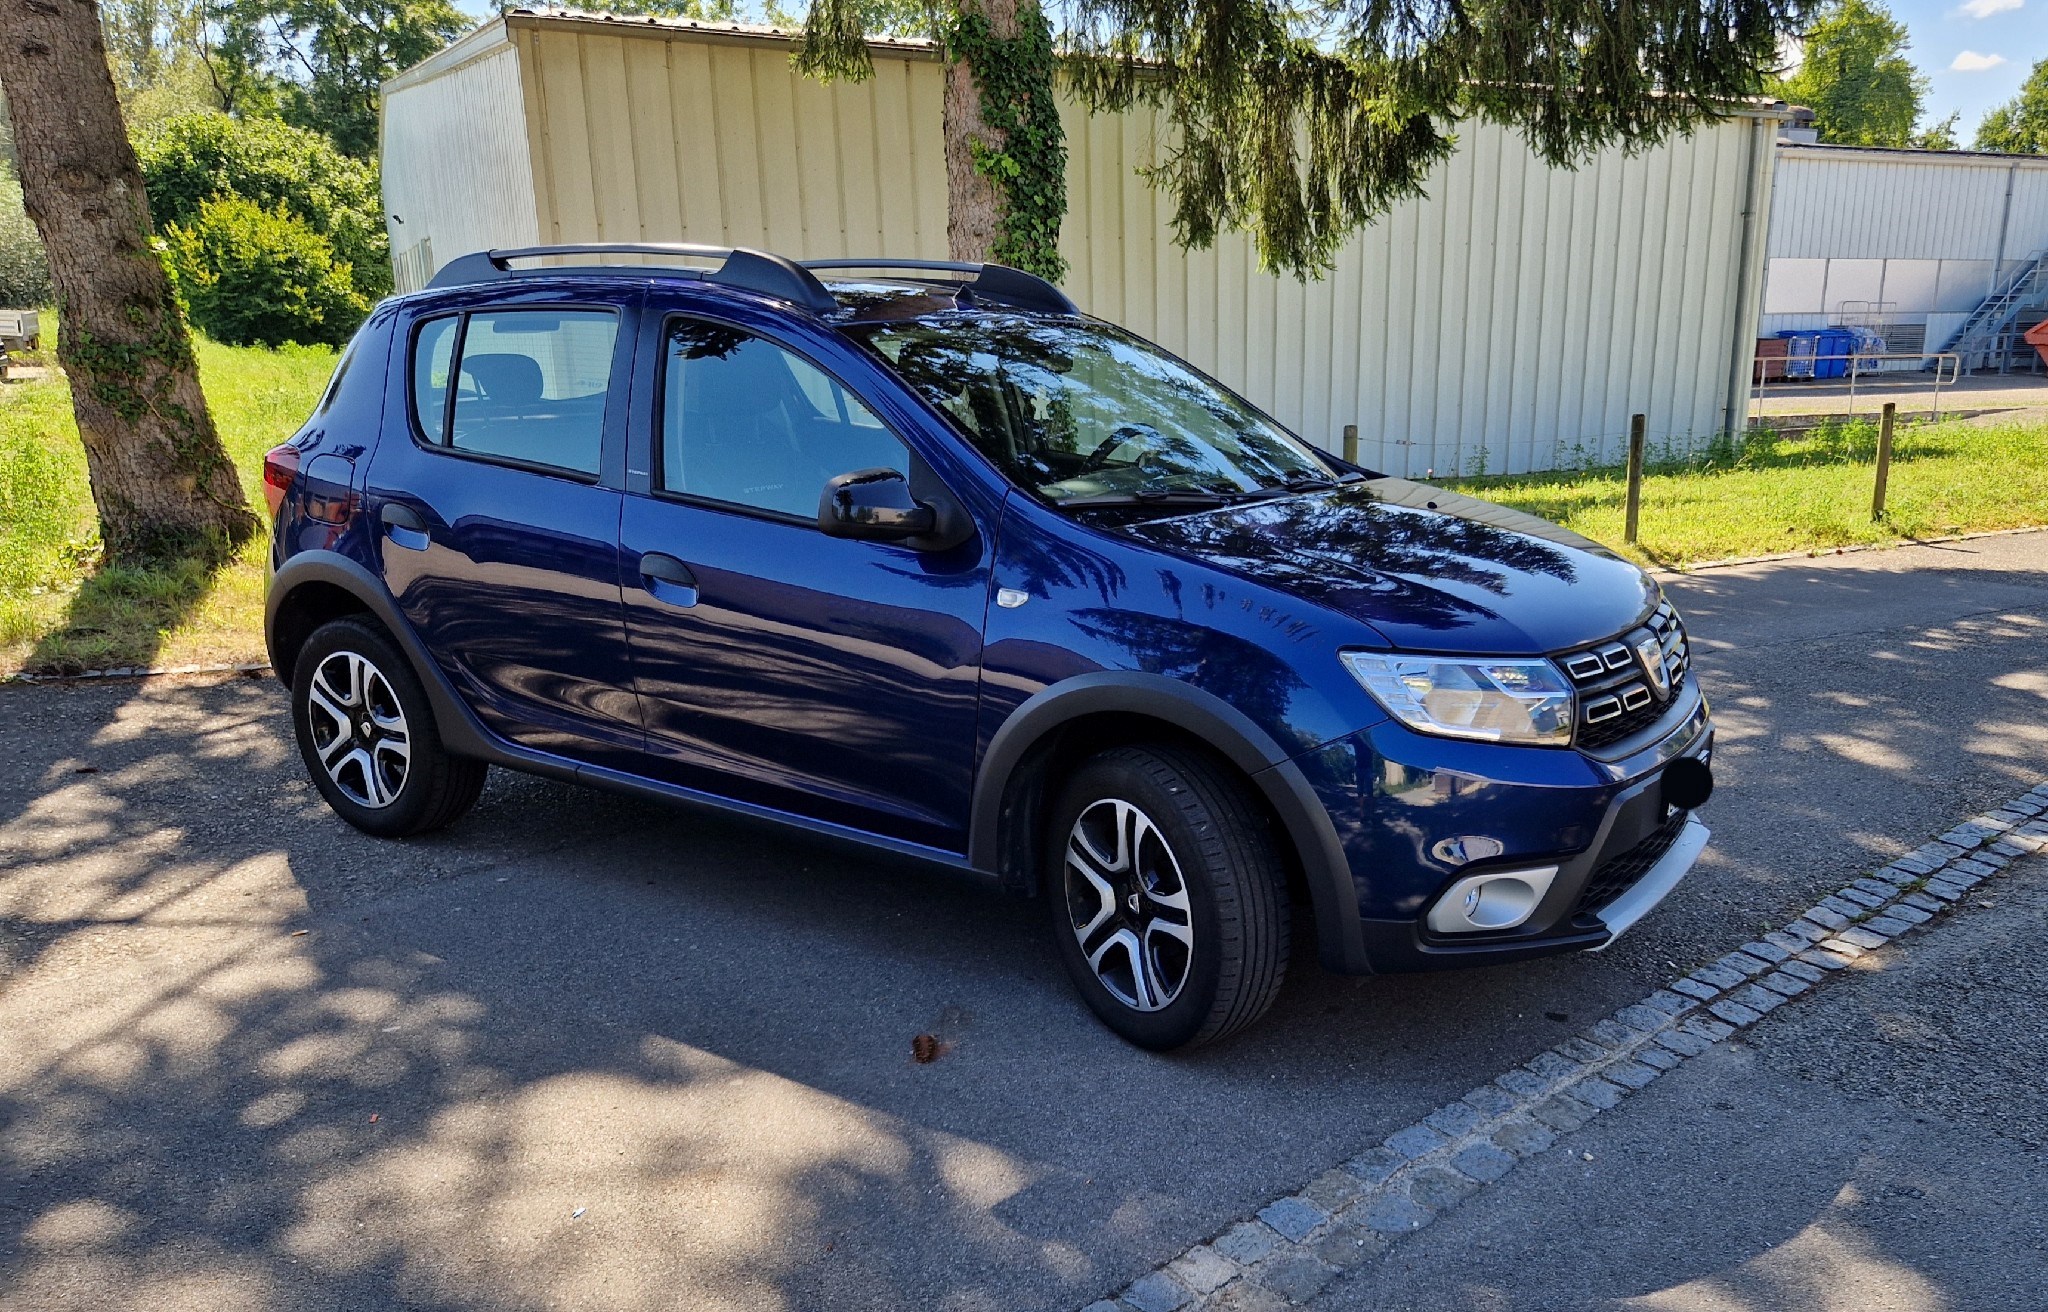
527,385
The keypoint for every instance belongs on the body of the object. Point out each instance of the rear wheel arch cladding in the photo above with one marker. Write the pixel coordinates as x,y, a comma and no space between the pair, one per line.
461,732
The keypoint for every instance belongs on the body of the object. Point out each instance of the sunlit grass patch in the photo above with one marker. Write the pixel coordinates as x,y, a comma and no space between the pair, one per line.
59,610
1801,493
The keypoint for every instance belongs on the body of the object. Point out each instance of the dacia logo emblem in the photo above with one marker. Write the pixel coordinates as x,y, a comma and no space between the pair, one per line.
1651,653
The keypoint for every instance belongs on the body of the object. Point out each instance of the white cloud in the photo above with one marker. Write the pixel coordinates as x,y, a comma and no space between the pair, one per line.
1986,8
1972,62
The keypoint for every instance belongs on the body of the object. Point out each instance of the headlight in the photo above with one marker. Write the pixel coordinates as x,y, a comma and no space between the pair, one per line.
1500,701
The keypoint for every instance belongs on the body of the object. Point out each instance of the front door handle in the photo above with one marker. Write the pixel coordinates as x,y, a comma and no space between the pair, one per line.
668,579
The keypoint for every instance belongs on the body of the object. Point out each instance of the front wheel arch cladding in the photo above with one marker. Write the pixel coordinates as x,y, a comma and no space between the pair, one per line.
1305,825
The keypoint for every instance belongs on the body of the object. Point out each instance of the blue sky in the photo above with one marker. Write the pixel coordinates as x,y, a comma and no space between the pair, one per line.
1975,52
1954,42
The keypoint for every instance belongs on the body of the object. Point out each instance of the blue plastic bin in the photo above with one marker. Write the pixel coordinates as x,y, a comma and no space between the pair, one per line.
1836,342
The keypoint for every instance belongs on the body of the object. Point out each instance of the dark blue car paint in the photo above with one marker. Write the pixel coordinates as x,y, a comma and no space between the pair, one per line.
872,692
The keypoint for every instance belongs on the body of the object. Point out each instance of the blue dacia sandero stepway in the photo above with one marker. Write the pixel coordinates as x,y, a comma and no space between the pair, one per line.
917,555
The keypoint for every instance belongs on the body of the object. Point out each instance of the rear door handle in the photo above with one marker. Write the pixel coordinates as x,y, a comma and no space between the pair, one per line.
668,579
404,526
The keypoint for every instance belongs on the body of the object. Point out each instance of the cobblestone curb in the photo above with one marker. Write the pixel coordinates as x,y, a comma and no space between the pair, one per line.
135,672
1284,1255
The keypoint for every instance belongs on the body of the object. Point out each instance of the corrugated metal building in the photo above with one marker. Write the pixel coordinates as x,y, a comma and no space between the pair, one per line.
1916,237
1513,319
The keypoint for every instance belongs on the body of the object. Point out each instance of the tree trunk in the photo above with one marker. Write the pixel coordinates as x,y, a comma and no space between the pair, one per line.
160,478
975,206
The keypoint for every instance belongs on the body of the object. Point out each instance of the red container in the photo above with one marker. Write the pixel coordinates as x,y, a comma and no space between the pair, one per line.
2037,337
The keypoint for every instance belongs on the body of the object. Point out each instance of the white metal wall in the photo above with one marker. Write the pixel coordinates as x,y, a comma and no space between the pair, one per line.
1927,234
1834,202
1513,319
457,164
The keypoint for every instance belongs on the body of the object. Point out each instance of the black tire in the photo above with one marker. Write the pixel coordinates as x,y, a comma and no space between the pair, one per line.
1222,856
349,668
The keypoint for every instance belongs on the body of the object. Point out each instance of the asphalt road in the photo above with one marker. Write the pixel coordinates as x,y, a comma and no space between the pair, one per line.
1877,1147
585,1051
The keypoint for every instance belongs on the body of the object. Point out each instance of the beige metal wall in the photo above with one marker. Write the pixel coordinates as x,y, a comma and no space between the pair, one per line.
1515,318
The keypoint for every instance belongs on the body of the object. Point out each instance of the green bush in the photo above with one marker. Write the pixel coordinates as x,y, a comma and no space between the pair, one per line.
191,159
24,273
255,276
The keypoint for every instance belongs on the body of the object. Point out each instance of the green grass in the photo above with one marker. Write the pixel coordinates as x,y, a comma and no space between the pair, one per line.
1808,493
58,610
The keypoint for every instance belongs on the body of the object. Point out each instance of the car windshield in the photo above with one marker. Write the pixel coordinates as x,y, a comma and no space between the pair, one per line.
1081,412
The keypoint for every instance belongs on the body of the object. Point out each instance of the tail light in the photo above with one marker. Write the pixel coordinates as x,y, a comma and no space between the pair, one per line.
280,468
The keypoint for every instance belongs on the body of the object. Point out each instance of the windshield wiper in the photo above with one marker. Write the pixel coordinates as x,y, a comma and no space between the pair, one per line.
1307,482
1154,496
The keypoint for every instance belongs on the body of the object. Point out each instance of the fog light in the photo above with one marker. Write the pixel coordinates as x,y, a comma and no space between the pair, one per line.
1491,902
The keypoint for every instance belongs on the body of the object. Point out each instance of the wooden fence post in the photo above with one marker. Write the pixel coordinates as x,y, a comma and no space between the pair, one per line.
1884,457
1635,475
1351,443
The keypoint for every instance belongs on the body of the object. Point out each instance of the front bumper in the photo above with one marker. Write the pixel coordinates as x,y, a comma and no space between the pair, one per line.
1406,808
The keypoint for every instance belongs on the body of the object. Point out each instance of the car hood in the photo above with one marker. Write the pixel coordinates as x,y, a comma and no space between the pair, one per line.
1430,570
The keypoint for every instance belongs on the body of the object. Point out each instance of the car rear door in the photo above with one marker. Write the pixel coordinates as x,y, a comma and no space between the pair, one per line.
834,679
497,495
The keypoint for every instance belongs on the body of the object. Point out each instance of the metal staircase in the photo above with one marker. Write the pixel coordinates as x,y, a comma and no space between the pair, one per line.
1990,336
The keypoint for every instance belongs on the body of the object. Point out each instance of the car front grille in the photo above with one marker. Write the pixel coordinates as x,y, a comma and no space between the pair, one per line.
1617,875
1617,696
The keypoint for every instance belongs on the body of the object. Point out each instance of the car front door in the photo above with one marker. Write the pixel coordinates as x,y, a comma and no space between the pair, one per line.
831,678
499,534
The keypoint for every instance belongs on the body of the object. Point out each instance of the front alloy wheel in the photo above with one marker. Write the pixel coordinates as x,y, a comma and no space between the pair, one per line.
1168,899
1128,905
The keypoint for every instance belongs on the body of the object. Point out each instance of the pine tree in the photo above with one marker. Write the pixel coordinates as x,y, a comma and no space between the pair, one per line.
1298,124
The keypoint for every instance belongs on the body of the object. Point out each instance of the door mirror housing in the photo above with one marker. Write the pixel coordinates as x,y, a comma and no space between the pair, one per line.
874,504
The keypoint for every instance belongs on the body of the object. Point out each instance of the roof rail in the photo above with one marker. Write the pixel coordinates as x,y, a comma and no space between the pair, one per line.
757,271
997,282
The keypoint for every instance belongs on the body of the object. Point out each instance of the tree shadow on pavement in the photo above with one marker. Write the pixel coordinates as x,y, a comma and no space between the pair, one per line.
582,1049
585,1050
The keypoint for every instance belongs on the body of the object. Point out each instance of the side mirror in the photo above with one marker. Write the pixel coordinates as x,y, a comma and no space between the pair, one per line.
874,504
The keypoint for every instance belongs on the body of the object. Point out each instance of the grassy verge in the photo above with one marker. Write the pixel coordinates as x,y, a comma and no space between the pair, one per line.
58,610
1802,494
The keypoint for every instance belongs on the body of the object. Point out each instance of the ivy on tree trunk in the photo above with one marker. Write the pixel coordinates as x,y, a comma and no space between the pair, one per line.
161,480
1006,152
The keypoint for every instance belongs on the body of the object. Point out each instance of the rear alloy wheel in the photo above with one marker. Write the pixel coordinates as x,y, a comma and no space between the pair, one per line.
368,737
1167,897
358,729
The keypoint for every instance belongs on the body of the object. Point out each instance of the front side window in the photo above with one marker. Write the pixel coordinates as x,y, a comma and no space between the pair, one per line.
529,385
746,422
1075,410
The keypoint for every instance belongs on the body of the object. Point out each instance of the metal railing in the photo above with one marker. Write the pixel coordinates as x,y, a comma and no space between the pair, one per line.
1863,371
